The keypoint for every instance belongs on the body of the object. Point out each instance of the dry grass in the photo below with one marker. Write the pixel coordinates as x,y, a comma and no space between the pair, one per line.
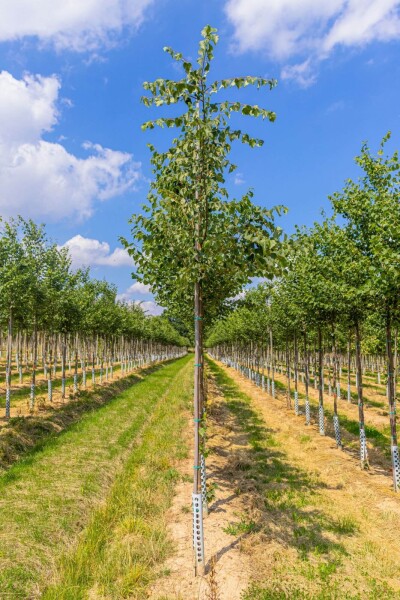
313,525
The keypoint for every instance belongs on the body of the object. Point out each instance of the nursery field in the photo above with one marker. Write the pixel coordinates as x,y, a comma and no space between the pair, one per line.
230,432
103,510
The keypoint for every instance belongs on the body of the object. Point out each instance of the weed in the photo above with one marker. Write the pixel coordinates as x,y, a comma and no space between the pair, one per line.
240,528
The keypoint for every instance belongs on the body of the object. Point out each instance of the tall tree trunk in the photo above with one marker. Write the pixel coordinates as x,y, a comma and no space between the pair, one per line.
296,375
34,361
392,402
349,369
363,439
321,417
63,361
271,342
336,425
288,391
307,377
197,495
9,364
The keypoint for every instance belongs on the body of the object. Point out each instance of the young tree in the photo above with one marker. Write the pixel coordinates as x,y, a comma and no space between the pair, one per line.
371,209
193,245
14,280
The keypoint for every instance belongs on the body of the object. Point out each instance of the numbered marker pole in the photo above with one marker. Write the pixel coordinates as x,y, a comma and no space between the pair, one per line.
197,496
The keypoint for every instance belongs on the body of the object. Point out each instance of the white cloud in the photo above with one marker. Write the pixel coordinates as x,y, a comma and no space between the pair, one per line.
309,30
141,289
89,252
40,178
78,25
137,288
152,308
303,73
239,180
335,107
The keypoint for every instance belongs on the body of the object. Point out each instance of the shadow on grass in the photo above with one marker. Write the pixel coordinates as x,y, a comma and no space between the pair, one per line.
279,497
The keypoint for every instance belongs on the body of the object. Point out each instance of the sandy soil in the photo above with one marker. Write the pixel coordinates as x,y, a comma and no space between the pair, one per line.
227,568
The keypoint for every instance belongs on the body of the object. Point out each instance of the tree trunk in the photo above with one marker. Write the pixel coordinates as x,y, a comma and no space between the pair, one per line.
34,361
321,418
392,402
306,378
9,365
197,495
336,425
363,440
296,375
288,393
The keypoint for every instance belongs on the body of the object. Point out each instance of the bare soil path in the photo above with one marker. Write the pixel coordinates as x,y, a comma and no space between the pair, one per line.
227,568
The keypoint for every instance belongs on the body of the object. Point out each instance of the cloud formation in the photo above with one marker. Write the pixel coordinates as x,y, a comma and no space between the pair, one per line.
75,25
40,178
87,252
141,289
309,30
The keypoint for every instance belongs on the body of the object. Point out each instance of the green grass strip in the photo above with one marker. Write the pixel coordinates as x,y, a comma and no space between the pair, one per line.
47,501
121,551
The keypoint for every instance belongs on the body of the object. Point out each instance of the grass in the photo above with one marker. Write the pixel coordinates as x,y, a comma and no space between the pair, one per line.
304,542
23,436
23,392
51,496
380,438
126,540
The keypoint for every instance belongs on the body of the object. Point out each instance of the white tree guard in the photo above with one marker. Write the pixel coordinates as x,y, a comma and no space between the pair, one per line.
396,467
308,415
75,383
363,446
32,395
321,420
296,402
273,388
336,427
8,402
198,533
50,390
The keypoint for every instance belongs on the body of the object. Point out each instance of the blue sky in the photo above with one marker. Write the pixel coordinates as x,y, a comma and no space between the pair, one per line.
72,154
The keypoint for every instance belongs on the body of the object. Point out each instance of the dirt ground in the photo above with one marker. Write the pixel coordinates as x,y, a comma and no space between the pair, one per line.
226,564
292,513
